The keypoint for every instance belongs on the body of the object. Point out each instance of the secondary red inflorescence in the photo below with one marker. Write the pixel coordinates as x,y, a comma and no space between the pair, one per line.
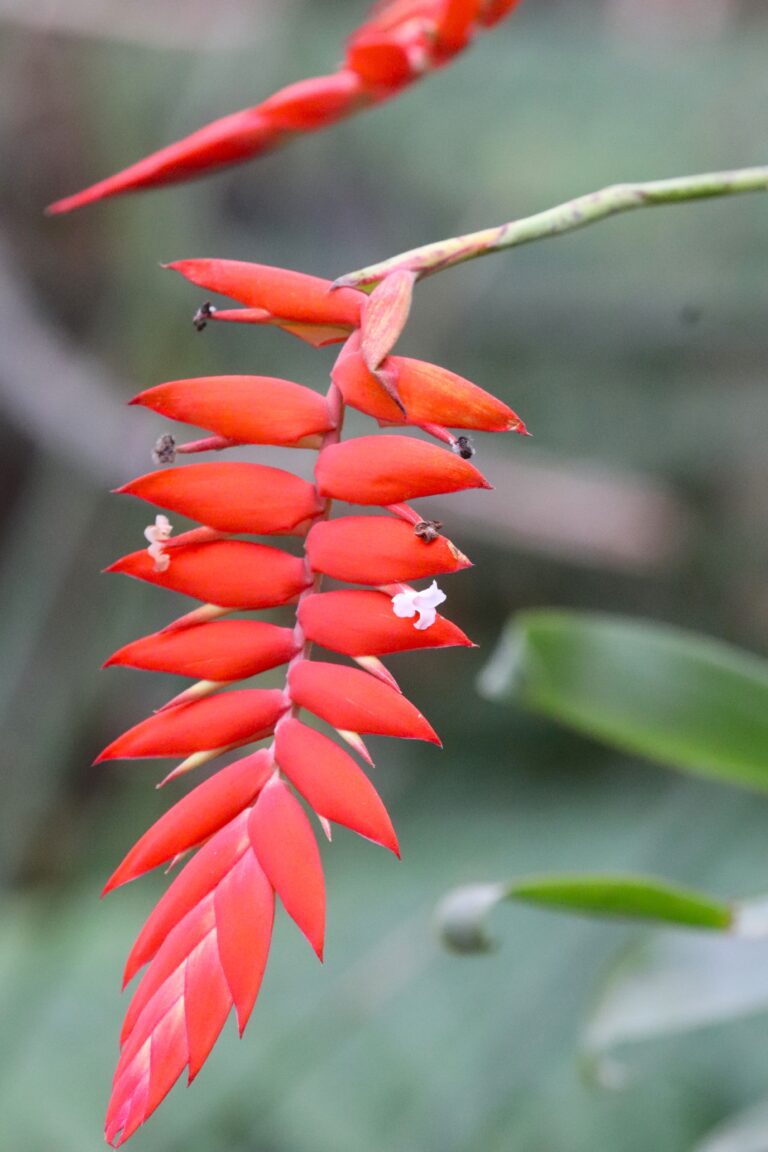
401,42
204,947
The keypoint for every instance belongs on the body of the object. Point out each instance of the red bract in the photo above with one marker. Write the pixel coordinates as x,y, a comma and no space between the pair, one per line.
402,42
389,469
220,650
303,305
357,623
218,722
232,497
378,550
197,816
231,573
385,316
205,945
356,702
331,782
429,395
248,409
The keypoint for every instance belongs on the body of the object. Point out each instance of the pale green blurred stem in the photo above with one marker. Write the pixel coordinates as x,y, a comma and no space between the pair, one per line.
564,218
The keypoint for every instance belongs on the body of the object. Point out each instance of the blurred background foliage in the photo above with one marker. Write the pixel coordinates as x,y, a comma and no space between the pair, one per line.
636,352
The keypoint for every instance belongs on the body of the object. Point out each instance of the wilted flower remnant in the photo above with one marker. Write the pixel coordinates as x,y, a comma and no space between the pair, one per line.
204,947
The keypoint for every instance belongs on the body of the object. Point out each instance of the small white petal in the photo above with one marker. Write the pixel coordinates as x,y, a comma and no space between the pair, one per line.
426,619
409,602
403,604
430,597
157,534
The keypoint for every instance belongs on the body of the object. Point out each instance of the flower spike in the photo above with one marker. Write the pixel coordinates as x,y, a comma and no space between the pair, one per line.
245,830
400,43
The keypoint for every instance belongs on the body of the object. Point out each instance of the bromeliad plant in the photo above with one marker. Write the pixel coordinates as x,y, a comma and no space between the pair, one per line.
402,41
204,947
206,943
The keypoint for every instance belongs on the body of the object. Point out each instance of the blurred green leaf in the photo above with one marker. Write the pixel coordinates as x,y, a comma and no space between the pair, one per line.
673,983
745,1132
462,915
671,696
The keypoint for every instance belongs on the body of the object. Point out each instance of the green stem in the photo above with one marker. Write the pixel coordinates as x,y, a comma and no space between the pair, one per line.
564,218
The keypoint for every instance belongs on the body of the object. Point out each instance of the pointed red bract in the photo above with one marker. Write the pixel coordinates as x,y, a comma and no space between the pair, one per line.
229,140
248,409
378,550
197,878
196,816
207,1002
206,943
230,573
395,47
286,848
389,469
382,64
244,906
232,497
214,722
385,315
185,936
212,958
316,103
353,700
362,623
430,395
222,650
282,293
331,782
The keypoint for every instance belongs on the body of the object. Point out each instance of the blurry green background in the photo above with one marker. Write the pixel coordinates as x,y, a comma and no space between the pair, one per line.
637,354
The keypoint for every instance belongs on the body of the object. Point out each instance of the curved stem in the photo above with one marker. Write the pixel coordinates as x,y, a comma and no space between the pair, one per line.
578,213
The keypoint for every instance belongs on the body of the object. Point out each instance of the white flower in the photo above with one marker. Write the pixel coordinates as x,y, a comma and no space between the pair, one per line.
157,534
408,603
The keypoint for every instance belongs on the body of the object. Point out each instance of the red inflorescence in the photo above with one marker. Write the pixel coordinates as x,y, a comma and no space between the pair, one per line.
401,42
205,945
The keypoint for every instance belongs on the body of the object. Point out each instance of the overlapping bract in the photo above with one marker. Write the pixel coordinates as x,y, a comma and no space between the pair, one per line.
401,42
205,945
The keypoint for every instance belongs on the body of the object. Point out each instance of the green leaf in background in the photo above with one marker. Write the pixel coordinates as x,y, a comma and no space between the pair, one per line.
671,696
745,1132
462,914
673,983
